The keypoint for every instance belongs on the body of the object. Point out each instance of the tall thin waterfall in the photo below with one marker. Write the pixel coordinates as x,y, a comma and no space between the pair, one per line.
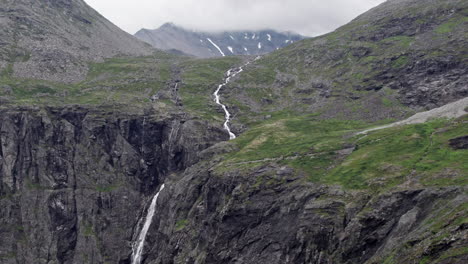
140,243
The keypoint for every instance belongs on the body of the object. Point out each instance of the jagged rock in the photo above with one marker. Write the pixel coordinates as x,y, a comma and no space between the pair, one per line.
459,143
73,180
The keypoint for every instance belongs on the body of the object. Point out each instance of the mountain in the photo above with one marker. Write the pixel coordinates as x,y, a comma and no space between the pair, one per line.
203,44
399,56
54,39
350,148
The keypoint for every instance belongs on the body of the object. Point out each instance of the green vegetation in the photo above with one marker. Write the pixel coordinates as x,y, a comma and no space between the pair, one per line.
380,160
181,224
126,81
451,24
107,188
88,230
400,62
199,80
390,155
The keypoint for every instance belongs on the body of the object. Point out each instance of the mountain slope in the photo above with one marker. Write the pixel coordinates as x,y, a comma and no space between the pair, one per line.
81,163
204,44
402,55
54,39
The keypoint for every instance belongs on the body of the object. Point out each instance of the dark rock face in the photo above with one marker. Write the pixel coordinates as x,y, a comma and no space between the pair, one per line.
269,216
73,181
459,143
179,40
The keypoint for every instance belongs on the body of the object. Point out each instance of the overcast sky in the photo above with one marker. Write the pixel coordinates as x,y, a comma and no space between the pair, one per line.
308,17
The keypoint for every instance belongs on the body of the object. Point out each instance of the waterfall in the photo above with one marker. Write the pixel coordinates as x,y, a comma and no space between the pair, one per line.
229,75
139,244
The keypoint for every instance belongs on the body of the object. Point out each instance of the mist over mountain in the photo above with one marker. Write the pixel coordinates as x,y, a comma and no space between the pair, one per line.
171,37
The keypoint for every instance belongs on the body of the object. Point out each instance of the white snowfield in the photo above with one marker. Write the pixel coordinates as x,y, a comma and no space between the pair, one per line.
452,110
259,45
231,49
269,37
216,46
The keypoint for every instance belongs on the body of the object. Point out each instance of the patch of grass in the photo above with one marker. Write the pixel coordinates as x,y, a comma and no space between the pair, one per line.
383,159
107,188
454,252
400,62
88,230
181,224
295,136
387,102
401,41
199,80
451,24
391,154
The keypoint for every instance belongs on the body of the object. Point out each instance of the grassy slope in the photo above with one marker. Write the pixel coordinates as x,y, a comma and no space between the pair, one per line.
200,79
115,81
402,158
416,154
129,82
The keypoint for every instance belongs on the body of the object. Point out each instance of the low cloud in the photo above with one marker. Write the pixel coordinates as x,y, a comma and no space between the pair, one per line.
308,17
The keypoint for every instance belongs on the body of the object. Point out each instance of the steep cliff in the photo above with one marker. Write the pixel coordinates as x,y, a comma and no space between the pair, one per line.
302,183
74,180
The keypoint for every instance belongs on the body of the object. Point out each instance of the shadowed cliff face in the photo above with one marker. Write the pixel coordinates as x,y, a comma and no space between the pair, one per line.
233,217
74,181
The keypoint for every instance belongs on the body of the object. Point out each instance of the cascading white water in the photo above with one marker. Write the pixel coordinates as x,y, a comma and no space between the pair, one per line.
138,246
230,74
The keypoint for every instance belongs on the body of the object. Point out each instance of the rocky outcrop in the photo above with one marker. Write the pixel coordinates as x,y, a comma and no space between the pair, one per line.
54,40
271,216
74,181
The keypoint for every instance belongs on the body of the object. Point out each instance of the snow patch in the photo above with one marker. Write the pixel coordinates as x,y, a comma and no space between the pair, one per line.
246,49
259,45
231,37
269,37
201,41
286,41
230,49
216,46
253,37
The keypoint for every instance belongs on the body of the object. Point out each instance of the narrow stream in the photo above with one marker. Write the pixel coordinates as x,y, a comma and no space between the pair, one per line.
229,75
